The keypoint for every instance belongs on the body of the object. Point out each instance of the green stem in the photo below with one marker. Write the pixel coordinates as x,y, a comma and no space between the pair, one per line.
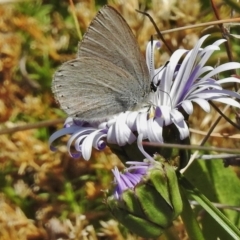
192,227
73,9
209,207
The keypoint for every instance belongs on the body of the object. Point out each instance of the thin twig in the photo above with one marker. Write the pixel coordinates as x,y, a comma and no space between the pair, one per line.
224,116
191,147
200,25
217,156
157,29
218,135
219,205
210,131
32,126
225,35
204,140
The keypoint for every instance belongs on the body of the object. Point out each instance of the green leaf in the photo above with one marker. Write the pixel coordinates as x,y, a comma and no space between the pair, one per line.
219,185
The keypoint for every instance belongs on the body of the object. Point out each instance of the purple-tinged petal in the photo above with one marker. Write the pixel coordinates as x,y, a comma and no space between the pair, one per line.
187,86
127,181
92,140
61,133
133,178
186,68
165,113
203,70
182,128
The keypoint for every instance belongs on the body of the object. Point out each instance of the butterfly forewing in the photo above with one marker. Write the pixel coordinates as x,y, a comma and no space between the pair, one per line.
109,37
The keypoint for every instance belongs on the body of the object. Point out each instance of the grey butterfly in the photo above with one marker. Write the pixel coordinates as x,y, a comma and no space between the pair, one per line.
108,76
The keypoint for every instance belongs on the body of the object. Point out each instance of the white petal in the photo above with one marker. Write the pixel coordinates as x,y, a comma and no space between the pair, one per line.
201,88
203,104
187,106
222,68
120,132
131,120
207,94
228,80
88,144
228,101
155,127
170,70
140,146
212,94
186,68
142,124
150,55
204,70
206,53
164,89
219,41
176,115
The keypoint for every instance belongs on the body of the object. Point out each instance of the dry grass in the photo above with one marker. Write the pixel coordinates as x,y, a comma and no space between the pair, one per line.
48,195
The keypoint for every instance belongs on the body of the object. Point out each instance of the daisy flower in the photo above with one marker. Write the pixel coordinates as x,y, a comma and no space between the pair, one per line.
184,80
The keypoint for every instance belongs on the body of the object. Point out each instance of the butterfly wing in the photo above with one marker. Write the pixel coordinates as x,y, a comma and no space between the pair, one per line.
110,74
109,37
93,89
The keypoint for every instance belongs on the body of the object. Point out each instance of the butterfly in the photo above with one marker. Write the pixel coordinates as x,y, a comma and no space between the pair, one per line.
109,75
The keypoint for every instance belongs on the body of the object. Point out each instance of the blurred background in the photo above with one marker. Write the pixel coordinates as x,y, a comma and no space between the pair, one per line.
49,195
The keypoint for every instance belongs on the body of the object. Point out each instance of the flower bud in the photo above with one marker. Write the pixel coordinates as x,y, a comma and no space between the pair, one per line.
149,205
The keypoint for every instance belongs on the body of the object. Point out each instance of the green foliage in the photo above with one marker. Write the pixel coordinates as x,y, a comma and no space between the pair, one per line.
37,10
218,184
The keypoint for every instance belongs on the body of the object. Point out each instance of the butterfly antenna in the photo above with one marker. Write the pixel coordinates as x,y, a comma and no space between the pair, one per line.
154,87
157,30
168,96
